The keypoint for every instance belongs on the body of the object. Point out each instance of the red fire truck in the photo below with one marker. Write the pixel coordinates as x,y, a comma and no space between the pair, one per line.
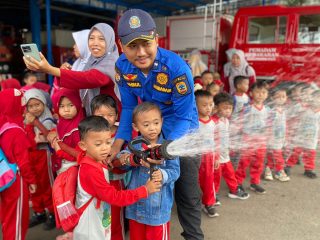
281,43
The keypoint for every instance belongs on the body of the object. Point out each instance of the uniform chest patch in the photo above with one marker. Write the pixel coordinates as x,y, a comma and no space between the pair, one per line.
162,78
130,77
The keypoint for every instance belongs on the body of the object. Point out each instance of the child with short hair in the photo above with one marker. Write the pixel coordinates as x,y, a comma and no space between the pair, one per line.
276,142
240,97
204,102
206,79
150,218
307,135
93,184
294,108
254,137
40,157
14,201
213,88
105,106
224,105
30,78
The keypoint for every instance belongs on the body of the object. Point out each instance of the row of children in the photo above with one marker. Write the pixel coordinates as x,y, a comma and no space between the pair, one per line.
92,140
264,124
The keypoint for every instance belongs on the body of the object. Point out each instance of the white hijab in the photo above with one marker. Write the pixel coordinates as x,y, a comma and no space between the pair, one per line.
81,40
244,69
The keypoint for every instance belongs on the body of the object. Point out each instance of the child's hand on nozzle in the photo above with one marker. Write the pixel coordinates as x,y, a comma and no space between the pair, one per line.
29,117
157,175
150,160
153,186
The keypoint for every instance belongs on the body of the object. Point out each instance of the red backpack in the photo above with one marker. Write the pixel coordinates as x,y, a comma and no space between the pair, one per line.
64,196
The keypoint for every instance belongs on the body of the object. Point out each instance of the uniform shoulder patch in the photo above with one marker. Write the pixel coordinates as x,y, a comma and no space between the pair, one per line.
181,86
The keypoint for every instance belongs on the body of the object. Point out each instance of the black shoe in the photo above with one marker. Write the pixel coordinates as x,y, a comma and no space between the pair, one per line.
310,174
258,189
37,218
239,194
287,170
50,223
210,211
241,188
218,203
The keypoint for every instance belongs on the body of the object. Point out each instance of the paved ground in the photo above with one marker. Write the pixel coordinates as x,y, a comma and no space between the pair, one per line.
289,211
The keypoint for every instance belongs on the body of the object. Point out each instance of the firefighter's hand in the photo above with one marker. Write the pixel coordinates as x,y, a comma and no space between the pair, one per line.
147,164
65,66
29,117
115,149
32,188
38,66
157,175
153,186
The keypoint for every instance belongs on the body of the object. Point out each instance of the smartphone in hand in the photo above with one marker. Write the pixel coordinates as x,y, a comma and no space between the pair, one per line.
30,50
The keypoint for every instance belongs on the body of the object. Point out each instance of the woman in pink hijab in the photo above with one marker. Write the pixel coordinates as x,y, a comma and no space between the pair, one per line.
237,66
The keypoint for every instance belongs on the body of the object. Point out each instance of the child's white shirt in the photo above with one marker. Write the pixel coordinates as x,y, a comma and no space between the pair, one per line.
92,223
278,129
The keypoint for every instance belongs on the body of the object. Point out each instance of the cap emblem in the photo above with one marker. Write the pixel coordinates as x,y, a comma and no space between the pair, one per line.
134,22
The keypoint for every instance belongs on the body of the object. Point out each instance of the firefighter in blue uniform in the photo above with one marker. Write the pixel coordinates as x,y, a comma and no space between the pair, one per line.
145,72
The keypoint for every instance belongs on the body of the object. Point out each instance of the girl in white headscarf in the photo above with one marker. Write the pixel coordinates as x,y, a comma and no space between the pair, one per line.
97,76
237,66
81,49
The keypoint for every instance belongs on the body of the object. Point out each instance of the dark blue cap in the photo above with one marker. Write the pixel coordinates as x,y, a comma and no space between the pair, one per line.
136,24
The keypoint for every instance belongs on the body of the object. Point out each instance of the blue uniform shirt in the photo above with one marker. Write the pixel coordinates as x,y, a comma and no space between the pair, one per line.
169,84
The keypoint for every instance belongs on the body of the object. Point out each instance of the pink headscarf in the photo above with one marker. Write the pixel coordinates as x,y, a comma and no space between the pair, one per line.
11,109
10,83
66,127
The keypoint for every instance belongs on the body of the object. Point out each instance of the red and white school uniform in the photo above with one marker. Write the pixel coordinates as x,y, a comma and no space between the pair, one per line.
276,142
293,118
240,100
14,201
225,169
40,156
206,170
96,218
254,127
307,139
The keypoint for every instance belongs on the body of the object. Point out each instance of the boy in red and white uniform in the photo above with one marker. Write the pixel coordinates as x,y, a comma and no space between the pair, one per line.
277,118
93,182
307,137
224,106
240,99
254,137
209,161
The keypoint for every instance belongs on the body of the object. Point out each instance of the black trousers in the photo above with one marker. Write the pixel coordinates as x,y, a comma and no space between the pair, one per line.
188,198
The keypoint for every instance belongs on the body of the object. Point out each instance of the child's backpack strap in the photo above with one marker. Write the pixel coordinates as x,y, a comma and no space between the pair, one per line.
8,170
